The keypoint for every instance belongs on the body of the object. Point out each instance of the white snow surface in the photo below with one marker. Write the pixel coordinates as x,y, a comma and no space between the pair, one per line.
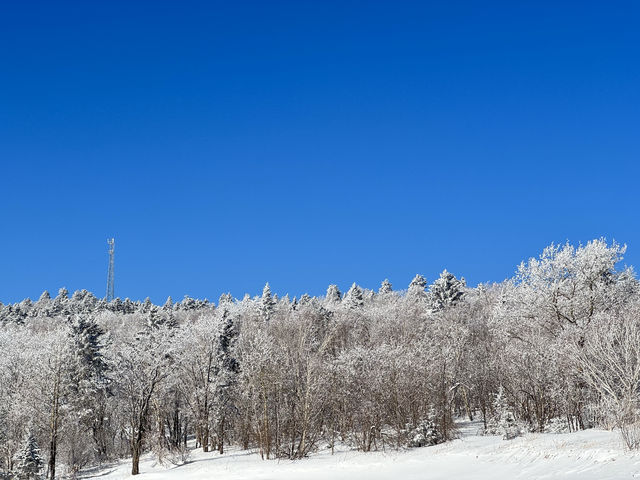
585,455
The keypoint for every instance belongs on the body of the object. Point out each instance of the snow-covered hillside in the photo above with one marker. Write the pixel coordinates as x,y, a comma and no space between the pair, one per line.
590,454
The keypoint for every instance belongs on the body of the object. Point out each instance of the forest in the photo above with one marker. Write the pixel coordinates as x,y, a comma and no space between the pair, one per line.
554,348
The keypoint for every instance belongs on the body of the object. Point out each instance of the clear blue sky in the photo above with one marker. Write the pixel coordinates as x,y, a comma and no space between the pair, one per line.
226,144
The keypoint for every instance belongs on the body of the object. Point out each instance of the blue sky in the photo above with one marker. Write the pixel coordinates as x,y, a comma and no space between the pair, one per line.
226,144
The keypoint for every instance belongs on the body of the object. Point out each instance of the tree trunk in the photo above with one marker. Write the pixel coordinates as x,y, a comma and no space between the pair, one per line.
205,437
135,460
221,436
53,437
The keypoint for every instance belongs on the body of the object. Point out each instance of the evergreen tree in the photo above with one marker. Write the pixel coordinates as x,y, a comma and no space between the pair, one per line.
267,303
188,304
88,379
168,305
305,299
116,305
417,288
355,297
157,318
503,421
59,306
146,305
446,291
128,306
385,287
333,294
78,295
28,461
427,433
225,298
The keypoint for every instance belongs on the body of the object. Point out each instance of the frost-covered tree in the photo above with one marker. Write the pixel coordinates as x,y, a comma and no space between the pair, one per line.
417,288
305,299
88,379
427,433
503,421
446,291
267,303
28,462
225,298
354,298
333,295
227,370
385,287
43,305
146,305
568,285
608,360
168,305
141,365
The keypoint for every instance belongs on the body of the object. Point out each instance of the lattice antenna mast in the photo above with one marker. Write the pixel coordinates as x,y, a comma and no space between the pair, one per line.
111,242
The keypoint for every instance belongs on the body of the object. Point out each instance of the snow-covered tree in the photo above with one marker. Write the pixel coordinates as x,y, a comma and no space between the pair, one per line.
267,303
427,433
446,291
417,288
28,461
333,295
503,422
354,298
225,298
88,379
385,287
168,305
141,365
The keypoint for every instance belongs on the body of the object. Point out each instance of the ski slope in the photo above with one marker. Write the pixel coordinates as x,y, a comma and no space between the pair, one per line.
591,454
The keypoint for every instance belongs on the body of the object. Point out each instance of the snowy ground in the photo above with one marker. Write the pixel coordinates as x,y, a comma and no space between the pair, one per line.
592,454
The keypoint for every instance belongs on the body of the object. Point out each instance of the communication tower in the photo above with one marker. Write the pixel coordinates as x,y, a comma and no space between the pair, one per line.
111,242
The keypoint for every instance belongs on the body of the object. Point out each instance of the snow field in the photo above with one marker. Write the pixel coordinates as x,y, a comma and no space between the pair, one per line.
585,455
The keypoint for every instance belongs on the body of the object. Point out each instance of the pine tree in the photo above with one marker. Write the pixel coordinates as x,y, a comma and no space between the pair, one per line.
305,299
128,306
385,287
225,298
503,421
227,371
188,303
59,306
88,378
116,305
267,303
333,294
157,318
446,291
427,433
146,305
168,305
417,288
355,297
28,461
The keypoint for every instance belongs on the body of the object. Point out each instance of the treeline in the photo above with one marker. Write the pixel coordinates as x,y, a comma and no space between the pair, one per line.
555,348
85,302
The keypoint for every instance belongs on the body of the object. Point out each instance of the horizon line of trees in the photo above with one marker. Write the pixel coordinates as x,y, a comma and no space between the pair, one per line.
555,348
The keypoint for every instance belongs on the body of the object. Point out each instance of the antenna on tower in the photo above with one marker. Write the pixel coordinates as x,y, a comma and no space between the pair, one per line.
111,242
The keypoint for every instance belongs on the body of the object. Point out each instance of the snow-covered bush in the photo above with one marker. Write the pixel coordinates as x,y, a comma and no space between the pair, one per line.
557,425
503,422
426,434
